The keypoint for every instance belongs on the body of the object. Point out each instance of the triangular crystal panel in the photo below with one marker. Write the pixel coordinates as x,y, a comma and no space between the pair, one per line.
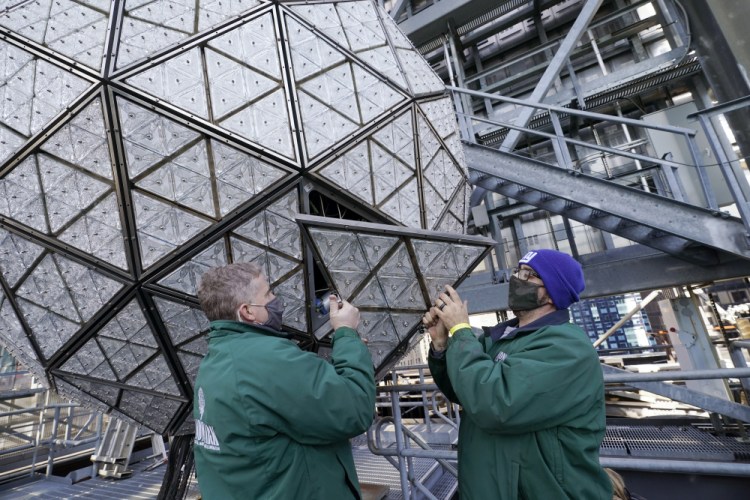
155,376
162,228
182,321
50,329
352,172
178,81
404,205
187,277
371,295
292,293
17,254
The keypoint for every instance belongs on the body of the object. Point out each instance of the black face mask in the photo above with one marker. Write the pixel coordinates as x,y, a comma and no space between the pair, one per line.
523,296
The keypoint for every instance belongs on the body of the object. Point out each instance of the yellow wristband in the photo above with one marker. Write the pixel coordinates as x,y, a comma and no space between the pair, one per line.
458,327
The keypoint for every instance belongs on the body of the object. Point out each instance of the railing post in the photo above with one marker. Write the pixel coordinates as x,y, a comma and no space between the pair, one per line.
400,445
559,144
52,444
425,405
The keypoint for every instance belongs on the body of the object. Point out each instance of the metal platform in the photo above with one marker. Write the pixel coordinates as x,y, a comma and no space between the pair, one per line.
668,442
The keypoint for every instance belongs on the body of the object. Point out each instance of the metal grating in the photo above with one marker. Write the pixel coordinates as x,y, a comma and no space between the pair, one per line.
613,444
673,442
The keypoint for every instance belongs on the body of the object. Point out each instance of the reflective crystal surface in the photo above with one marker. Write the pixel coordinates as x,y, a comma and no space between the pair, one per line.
143,142
392,274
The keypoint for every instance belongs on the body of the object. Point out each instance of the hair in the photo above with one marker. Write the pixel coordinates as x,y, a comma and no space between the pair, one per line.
619,491
223,289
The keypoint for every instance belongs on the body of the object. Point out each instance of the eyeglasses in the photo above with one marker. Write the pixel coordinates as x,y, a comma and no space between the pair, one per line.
524,274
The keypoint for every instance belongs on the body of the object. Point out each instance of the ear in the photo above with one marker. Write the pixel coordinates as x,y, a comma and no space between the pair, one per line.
246,313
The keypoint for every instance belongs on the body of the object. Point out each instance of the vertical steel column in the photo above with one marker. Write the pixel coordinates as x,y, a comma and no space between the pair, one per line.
691,343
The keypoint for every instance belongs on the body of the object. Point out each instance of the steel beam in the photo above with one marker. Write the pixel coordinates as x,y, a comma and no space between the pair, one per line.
429,23
613,272
553,69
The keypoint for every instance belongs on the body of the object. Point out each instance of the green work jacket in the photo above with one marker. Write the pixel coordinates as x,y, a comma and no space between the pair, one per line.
273,421
533,411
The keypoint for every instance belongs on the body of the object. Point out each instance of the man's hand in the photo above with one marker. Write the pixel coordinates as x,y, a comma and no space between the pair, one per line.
436,329
449,309
343,313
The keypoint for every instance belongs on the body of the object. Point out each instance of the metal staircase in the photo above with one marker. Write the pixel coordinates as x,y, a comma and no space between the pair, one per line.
685,231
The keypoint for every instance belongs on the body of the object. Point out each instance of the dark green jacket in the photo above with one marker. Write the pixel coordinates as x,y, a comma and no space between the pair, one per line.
273,421
533,411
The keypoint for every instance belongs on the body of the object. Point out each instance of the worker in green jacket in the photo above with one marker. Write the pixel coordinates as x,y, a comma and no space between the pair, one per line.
531,389
273,421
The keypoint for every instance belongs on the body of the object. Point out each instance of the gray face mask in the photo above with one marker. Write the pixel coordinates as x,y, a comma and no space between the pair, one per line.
522,295
275,310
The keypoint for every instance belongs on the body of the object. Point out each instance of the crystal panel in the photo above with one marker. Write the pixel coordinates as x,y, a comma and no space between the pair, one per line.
371,295
310,53
182,321
420,76
155,376
13,337
404,205
21,196
152,26
292,293
89,361
149,138
352,172
17,256
156,410
162,227
83,142
324,18
98,232
96,396
377,327
50,329
185,180
440,114
178,80
275,227
187,277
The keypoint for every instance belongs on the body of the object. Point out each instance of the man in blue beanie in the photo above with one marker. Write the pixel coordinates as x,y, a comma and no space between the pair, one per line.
531,388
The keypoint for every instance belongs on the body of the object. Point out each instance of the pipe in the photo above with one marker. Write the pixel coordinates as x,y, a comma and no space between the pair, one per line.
676,466
643,303
678,375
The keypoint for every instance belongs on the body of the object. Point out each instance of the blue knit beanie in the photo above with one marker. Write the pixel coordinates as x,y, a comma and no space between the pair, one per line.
561,273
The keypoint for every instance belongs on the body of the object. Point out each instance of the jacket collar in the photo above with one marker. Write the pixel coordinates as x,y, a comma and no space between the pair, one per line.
222,328
559,317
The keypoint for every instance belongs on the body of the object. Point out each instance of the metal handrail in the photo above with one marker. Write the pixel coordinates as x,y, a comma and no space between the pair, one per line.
41,436
577,112
560,143
404,453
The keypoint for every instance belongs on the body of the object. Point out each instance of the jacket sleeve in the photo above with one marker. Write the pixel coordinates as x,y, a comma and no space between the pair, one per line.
439,372
553,380
310,400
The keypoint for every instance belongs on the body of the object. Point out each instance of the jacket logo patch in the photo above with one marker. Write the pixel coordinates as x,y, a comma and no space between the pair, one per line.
501,356
205,435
